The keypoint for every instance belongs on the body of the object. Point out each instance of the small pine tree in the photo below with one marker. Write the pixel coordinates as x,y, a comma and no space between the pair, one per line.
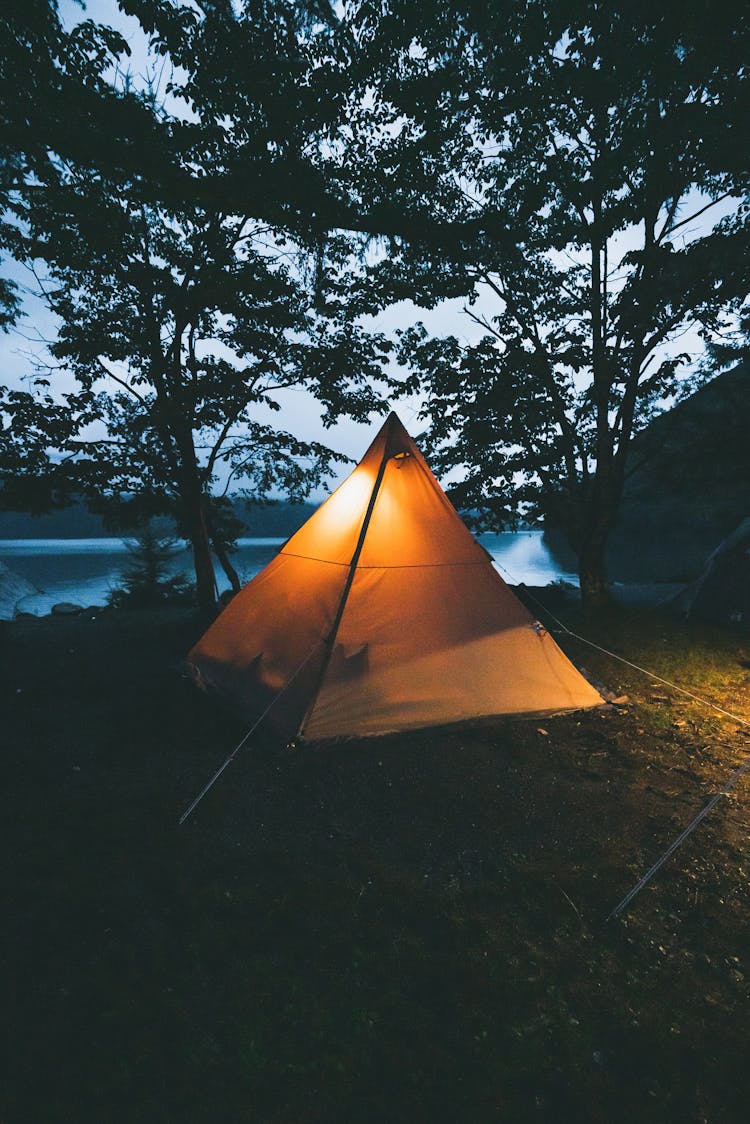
147,581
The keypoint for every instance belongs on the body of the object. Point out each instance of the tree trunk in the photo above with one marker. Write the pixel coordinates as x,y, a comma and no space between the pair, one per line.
194,508
592,570
592,575
205,579
226,565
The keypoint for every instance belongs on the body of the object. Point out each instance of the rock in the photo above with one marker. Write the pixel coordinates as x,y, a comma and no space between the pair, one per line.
722,592
66,609
224,598
13,588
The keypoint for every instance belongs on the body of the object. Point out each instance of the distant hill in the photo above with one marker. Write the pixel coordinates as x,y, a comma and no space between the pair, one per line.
70,523
278,520
689,485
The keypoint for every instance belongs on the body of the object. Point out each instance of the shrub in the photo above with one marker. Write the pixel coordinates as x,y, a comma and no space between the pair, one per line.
147,581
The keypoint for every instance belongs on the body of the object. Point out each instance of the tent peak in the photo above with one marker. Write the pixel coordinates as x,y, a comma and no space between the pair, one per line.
395,436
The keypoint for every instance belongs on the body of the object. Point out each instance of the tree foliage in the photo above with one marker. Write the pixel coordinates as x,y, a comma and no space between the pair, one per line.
182,321
576,171
149,580
592,154
57,103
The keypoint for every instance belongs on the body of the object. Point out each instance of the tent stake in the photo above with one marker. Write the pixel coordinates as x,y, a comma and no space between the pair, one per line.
735,777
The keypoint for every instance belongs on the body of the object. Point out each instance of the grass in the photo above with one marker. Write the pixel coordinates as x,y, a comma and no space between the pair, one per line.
406,929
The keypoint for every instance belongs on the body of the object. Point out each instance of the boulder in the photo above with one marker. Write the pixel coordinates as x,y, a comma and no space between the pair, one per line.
722,593
66,609
13,588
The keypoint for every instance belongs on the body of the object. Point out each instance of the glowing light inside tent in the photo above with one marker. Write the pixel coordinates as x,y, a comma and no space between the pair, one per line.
332,535
351,498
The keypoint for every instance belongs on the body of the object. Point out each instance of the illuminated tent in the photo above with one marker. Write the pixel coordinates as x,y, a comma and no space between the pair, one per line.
383,613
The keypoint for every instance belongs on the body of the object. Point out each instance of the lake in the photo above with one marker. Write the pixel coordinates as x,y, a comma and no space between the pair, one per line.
85,571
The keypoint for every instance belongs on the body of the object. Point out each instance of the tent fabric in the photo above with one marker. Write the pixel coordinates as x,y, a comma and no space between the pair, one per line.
722,592
383,613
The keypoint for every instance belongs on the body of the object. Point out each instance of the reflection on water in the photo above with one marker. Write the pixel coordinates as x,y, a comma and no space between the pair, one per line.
522,556
85,571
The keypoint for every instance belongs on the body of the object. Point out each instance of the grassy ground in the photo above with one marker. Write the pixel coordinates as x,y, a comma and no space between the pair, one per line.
405,930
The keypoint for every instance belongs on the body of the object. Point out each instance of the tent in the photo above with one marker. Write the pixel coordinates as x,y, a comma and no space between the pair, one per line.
722,592
383,613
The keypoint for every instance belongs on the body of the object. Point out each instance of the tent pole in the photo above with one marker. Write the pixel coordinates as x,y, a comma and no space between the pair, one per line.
331,637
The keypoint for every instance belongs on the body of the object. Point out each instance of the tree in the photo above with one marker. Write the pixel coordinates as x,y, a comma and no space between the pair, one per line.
148,580
177,326
732,344
182,321
589,155
56,100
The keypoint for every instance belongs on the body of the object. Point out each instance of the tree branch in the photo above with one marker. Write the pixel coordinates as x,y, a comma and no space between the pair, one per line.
117,379
696,214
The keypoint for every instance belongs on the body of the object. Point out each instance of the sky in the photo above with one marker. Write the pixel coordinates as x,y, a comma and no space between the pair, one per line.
301,414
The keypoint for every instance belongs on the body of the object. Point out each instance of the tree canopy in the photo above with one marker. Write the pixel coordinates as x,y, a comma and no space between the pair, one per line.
575,171
181,320
594,152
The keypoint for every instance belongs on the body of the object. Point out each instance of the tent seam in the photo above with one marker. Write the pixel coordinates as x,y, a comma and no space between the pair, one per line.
402,566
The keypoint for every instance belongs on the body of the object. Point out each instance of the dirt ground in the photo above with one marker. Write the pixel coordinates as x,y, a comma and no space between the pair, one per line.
406,929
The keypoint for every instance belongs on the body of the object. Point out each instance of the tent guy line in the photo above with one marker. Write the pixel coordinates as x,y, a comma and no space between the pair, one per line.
736,776
646,878
659,679
644,670
241,744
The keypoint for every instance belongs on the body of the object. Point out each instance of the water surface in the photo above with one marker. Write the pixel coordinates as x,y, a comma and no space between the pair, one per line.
86,571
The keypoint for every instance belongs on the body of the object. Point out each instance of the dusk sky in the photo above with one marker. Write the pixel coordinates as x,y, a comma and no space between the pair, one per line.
301,413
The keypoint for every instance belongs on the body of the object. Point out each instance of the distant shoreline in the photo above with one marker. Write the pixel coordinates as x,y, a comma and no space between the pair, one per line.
76,522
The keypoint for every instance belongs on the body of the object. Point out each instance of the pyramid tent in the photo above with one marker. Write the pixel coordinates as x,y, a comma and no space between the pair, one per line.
383,613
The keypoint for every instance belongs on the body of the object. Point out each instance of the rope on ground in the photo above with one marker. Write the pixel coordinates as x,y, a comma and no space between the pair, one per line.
615,656
248,735
736,776
732,781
